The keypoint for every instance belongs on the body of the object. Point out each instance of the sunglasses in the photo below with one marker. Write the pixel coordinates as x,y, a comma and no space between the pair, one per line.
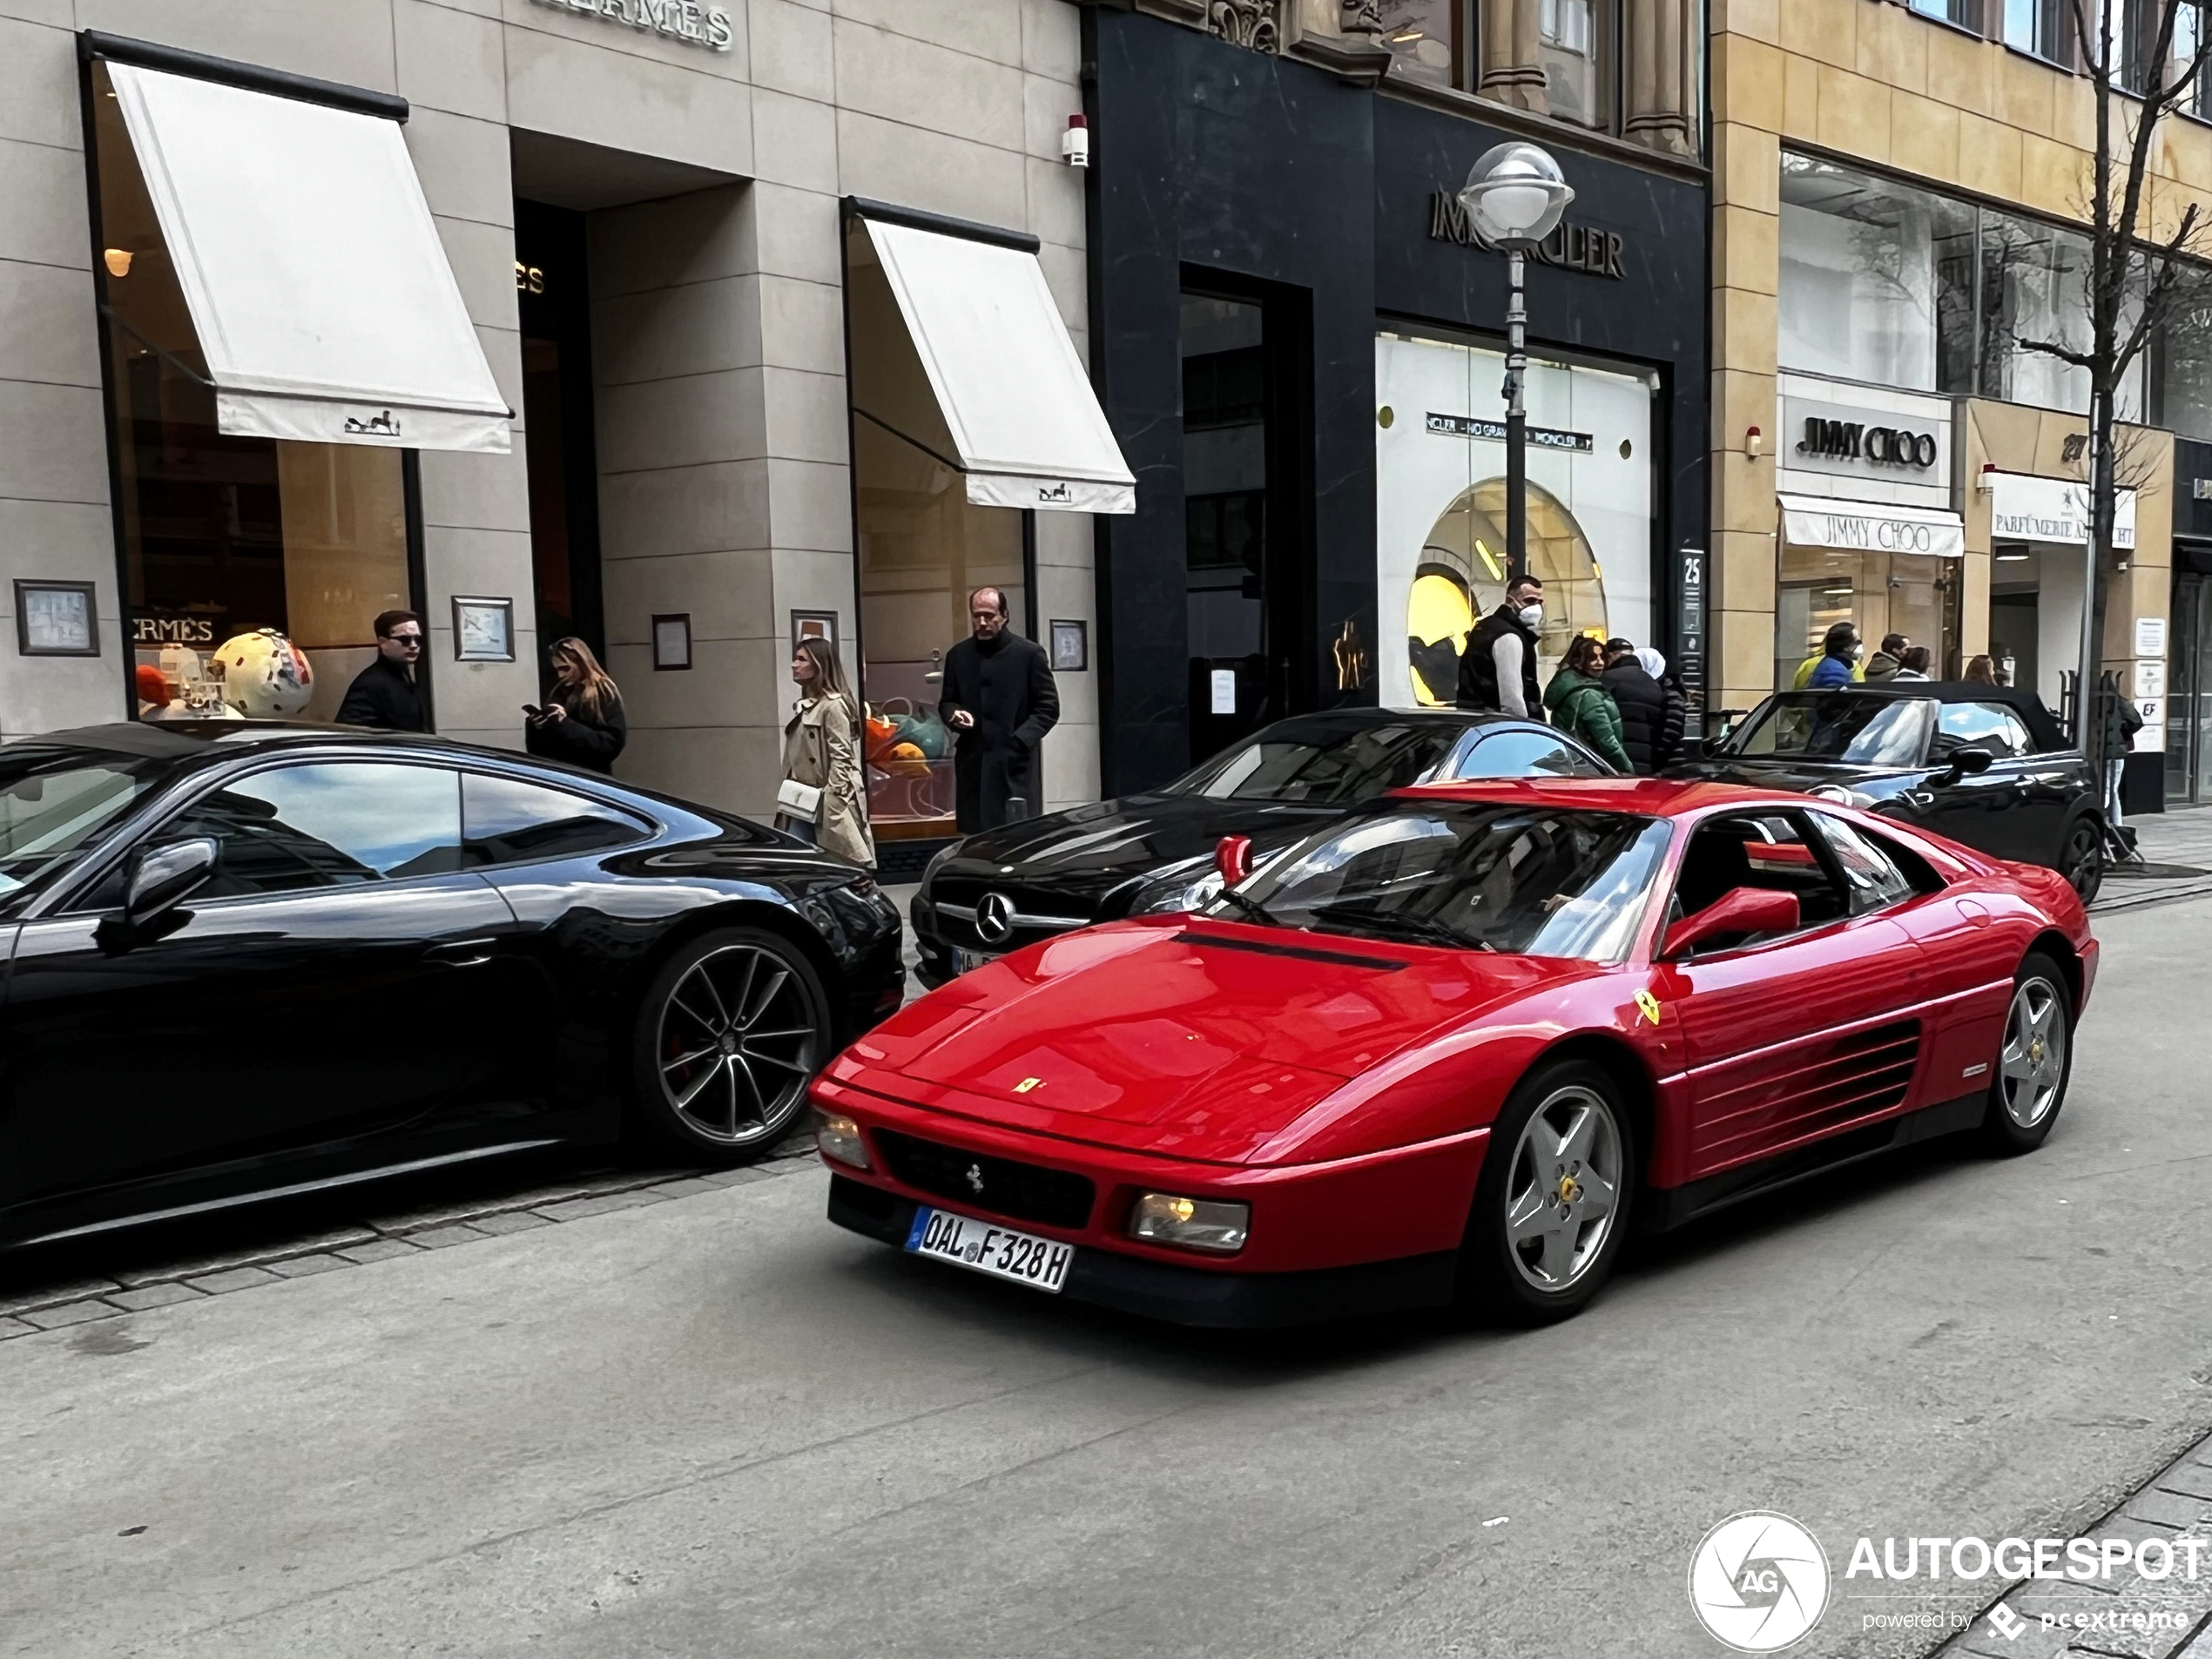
405,639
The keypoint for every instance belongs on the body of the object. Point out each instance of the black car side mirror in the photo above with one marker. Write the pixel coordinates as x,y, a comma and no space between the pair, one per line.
160,878
1963,763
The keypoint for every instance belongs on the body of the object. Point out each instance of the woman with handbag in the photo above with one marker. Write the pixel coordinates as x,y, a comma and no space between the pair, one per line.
820,798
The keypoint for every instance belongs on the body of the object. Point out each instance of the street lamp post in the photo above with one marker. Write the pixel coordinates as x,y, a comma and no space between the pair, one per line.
1515,196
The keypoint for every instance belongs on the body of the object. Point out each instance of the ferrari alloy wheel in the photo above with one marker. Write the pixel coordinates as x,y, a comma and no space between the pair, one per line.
1552,1206
2082,860
2033,1059
731,1031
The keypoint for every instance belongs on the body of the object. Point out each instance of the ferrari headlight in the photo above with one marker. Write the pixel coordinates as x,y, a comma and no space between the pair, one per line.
839,1137
1191,1224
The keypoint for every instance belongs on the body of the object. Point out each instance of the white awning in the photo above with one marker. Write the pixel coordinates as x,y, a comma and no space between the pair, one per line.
1872,527
1023,419
315,279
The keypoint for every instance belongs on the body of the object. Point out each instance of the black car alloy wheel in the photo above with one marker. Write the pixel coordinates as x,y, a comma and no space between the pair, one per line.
732,1029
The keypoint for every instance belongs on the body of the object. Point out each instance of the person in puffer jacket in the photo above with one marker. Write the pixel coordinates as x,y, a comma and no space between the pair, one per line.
1580,705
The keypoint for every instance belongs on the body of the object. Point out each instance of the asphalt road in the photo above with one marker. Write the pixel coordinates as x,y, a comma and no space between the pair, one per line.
714,1425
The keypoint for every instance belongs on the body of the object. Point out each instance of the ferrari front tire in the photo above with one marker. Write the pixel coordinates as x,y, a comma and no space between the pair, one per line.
1551,1208
2035,1059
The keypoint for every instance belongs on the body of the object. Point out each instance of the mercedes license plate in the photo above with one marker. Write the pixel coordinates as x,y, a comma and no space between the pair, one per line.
967,961
985,1247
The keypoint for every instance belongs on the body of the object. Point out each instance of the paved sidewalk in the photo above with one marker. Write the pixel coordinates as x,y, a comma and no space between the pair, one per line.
2178,847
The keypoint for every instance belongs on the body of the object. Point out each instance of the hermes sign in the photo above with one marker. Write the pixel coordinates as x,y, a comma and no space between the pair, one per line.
685,20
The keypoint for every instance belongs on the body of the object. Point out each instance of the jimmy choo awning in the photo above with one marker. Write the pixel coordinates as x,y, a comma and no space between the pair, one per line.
316,283
1024,422
1872,527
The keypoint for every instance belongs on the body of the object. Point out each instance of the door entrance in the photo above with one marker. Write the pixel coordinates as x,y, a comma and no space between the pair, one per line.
2189,692
555,300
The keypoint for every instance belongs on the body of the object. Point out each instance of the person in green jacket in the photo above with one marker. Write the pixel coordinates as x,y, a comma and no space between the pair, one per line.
1581,707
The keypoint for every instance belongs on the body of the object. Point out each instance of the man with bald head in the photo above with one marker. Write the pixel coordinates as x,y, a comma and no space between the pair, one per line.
999,698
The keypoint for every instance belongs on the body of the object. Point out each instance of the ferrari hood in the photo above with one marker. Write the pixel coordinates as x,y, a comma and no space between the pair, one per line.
1789,771
1192,1038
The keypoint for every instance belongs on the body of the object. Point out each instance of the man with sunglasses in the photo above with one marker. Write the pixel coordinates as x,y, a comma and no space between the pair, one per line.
387,694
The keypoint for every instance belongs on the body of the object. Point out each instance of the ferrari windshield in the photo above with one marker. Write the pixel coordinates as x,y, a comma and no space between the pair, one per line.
55,802
1851,728
1340,761
1477,876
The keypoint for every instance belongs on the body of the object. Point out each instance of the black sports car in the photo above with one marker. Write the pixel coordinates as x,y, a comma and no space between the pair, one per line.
243,957
1985,765
1008,887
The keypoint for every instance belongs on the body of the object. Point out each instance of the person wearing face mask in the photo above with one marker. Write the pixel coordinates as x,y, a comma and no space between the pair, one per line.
1837,664
1498,667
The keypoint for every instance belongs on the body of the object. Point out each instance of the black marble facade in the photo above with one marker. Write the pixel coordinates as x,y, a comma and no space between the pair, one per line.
1213,161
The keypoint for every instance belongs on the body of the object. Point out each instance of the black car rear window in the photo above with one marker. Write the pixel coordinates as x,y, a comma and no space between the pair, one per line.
1321,761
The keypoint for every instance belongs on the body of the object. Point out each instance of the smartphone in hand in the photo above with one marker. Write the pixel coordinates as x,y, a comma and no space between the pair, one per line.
533,710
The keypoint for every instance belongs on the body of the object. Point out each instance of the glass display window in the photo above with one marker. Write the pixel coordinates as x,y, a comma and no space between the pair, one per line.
923,547
1879,593
1441,505
253,568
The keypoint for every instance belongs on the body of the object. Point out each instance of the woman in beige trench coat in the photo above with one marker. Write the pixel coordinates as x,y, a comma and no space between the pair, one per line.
822,751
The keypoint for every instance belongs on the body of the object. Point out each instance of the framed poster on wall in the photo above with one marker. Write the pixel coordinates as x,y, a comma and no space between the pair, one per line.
813,624
483,630
56,619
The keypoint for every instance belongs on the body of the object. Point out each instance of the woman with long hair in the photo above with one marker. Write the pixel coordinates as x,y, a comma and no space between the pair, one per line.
1581,707
820,799
583,723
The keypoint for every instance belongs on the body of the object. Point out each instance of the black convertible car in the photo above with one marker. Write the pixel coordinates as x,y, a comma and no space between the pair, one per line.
249,959
1008,887
1985,765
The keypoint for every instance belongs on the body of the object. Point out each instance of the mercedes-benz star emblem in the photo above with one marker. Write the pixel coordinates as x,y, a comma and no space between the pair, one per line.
994,919
975,1180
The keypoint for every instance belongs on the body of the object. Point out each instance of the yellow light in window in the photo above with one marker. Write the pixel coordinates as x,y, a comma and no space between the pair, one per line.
1490,559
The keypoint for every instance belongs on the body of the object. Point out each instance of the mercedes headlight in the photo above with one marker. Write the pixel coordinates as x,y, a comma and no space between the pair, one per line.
1184,886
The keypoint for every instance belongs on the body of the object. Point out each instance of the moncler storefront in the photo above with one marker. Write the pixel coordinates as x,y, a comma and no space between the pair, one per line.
536,325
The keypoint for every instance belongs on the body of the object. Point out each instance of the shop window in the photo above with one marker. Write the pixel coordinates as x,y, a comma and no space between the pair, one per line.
923,547
253,568
2181,359
2189,24
1878,593
1425,35
1225,495
1967,14
1574,49
1877,280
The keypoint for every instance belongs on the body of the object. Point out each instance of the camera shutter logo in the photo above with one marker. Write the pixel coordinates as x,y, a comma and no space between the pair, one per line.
1758,1581
994,919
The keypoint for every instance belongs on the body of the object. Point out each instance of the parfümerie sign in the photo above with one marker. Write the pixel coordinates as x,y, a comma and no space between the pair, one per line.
685,20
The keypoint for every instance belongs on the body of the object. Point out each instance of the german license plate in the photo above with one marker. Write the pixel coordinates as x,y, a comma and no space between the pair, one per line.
986,1247
967,961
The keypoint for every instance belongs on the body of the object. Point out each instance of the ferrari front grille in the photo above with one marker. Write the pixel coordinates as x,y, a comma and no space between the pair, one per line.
997,1186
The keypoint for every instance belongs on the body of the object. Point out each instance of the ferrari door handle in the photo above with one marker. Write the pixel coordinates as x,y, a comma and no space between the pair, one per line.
462,953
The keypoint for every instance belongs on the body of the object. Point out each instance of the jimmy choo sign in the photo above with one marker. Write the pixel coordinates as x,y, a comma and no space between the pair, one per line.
1834,438
685,20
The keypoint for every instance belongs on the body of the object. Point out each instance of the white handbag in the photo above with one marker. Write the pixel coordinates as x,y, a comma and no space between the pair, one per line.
799,800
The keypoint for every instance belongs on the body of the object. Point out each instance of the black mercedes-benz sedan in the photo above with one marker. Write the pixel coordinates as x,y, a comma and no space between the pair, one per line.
1008,887
1985,765
244,960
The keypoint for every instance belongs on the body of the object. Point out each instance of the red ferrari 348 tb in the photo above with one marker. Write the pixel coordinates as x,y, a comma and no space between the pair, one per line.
1452,1047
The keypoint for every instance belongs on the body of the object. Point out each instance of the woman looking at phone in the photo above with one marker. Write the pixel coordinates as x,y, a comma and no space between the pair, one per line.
820,800
583,723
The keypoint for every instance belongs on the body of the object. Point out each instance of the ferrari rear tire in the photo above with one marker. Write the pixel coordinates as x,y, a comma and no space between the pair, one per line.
2081,859
1551,1208
2035,1059
730,1033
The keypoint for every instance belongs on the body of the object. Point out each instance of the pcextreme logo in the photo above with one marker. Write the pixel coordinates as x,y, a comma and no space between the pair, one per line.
1758,1581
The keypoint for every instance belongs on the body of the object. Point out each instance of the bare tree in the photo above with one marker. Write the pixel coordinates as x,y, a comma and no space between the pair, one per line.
2141,277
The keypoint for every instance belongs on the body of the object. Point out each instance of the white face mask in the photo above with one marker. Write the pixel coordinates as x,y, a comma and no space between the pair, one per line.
1530,615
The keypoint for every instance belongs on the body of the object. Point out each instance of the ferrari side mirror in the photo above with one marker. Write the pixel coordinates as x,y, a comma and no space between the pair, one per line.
1232,856
1740,910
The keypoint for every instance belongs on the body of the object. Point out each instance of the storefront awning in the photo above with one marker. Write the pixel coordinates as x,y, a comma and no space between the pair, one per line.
1872,527
321,294
1023,419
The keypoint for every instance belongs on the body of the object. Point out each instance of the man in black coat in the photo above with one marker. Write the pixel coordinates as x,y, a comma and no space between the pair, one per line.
1497,665
1643,703
1000,700
385,694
